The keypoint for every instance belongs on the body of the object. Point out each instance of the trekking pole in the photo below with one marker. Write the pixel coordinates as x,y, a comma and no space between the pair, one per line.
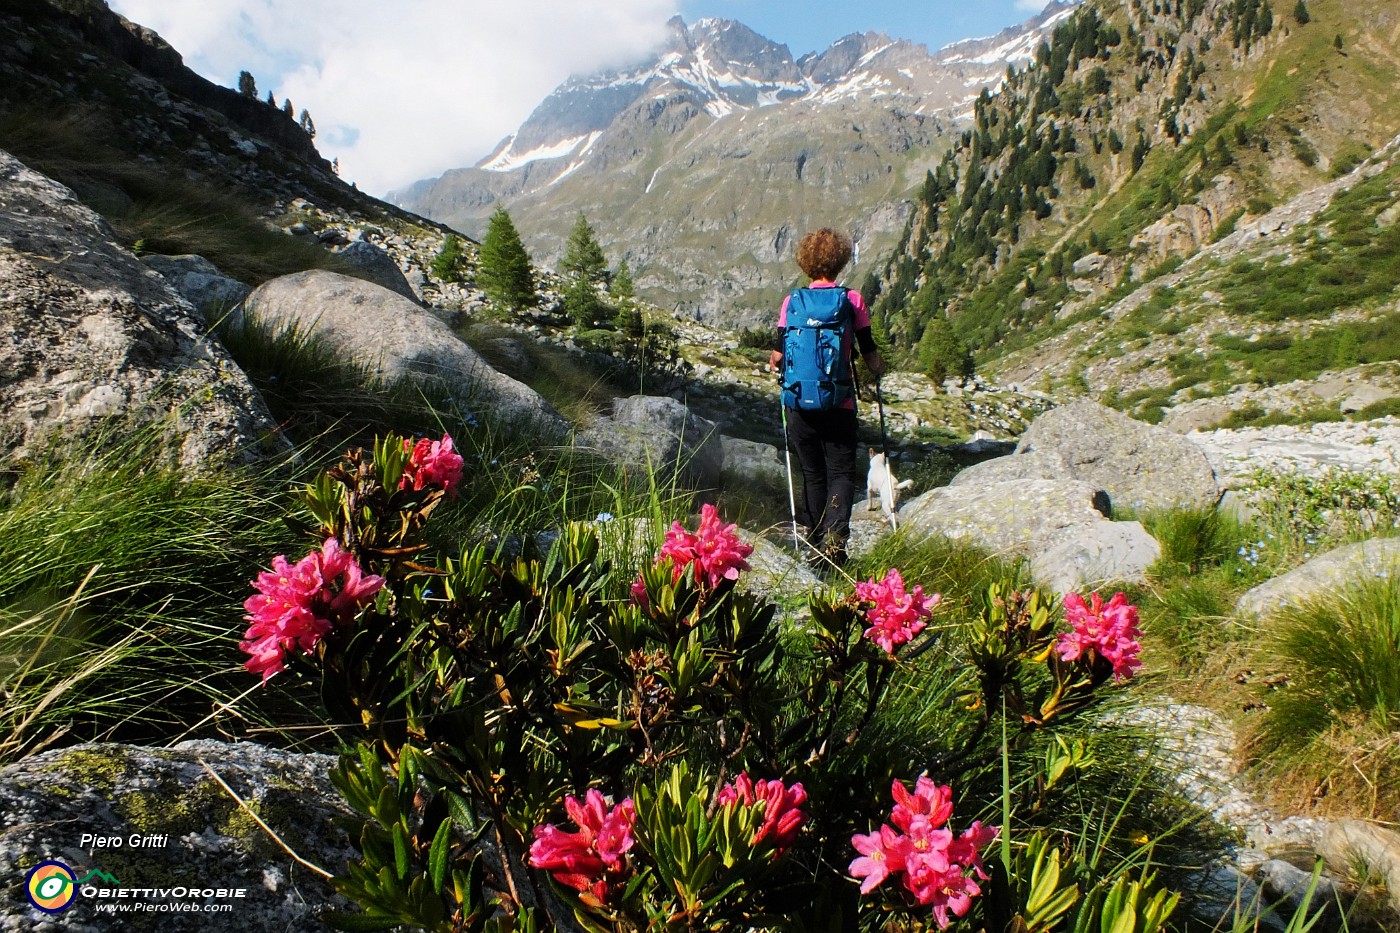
792,496
884,438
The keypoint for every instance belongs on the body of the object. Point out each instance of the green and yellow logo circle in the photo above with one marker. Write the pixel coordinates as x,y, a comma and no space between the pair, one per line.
51,887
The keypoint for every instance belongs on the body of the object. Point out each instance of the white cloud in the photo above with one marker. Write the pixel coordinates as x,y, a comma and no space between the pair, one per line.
401,91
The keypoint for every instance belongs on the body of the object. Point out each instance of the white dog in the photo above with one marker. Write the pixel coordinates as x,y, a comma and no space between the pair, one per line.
881,481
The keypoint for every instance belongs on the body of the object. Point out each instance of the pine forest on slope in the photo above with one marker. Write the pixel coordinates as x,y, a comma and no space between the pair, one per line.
1144,134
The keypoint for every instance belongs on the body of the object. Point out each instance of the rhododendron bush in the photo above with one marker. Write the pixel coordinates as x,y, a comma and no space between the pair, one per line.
559,739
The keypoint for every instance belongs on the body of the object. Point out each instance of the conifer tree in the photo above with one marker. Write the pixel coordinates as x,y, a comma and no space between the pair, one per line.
288,109
583,303
246,85
621,285
1300,13
447,264
271,99
583,257
941,353
306,123
505,274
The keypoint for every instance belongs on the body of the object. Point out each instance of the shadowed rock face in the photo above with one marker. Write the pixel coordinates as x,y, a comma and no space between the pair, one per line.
661,435
167,823
395,338
88,334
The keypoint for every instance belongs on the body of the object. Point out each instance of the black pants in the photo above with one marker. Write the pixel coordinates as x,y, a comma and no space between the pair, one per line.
825,444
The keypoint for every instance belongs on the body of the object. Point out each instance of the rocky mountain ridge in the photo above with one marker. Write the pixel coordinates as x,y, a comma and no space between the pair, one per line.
724,145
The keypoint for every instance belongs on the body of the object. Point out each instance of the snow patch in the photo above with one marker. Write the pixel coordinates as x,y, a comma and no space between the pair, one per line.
506,159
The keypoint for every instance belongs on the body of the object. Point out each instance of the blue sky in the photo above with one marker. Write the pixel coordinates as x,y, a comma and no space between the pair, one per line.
407,90
816,24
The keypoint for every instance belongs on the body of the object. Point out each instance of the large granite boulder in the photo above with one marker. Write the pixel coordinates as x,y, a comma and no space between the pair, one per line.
1059,525
200,282
395,338
153,820
1139,466
659,434
1323,576
377,266
89,334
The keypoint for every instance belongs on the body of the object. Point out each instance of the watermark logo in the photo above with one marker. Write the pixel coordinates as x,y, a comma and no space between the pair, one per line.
52,887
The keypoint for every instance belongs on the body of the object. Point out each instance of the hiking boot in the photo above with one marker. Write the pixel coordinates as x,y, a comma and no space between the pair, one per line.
833,551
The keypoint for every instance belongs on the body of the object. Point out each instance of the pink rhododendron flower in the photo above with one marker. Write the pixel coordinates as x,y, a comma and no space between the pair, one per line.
639,593
882,854
298,604
715,553
896,616
432,463
934,868
944,890
782,818
1110,632
591,860
933,802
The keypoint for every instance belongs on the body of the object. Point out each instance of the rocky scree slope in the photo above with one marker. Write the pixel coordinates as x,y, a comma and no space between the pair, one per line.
1142,133
724,145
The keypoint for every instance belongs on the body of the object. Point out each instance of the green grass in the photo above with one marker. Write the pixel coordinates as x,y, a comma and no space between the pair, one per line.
1335,721
120,609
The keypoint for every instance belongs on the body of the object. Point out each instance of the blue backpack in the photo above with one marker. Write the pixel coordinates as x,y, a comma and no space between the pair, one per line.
816,370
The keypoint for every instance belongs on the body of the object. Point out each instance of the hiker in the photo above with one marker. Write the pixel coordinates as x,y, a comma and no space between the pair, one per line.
817,329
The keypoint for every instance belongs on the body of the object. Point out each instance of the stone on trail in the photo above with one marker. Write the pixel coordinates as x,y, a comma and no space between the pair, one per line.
659,434
1058,524
1140,466
1087,556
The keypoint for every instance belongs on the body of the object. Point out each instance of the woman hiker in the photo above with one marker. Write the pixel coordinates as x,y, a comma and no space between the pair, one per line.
818,327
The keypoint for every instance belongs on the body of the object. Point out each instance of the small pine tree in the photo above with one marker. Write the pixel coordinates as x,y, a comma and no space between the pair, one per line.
288,109
1223,155
1140,151
583,303
1337,42
941,353
246,85
335,166
447,264
621,285
583,257
306,124
1301,14
271,99
505,274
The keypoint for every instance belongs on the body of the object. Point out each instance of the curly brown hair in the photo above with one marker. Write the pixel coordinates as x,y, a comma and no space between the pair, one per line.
823,253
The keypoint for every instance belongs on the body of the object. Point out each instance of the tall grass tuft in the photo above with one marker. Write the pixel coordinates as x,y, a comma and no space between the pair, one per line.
1193,539
1335,721
119,610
